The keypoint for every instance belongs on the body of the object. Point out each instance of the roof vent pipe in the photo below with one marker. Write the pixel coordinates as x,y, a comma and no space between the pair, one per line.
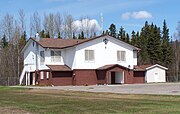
37,36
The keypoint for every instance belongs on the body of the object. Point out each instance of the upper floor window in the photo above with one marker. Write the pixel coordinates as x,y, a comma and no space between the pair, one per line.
42,58
89,55
55,56
121,55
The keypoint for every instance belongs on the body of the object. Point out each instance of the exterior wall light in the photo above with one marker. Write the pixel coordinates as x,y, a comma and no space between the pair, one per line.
105,40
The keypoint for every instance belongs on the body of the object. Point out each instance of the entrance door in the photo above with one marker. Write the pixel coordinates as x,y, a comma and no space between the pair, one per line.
116,78
119,77
113,77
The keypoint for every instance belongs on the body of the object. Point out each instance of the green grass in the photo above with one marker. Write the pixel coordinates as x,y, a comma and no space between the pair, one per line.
57,102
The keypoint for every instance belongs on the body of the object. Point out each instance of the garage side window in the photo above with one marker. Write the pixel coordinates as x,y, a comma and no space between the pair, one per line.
42,75
89,55
121,55
47,75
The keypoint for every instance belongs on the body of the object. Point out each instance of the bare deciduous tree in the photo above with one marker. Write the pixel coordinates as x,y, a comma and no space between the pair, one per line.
58,24
35,23
68,26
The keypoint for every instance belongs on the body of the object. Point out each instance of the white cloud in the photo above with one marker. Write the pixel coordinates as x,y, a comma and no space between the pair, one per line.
126,15
86,24
137,15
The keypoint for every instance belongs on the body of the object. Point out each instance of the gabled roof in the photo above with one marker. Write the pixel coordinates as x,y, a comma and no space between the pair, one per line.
56,43
141,67
147,67
59,67
106,67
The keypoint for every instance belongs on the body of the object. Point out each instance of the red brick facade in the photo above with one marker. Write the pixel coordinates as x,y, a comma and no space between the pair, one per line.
88,76
84,77
139,76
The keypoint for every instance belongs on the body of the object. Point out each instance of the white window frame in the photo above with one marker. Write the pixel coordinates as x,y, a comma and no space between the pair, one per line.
55,56
42,57
47,75
87,55
120,56
41,75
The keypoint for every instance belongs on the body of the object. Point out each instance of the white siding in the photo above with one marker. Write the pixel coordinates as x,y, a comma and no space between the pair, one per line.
103,56
48,58
74,57
69,58
155,74
29,57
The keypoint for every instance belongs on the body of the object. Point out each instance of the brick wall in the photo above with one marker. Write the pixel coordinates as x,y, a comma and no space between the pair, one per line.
85,77
139,77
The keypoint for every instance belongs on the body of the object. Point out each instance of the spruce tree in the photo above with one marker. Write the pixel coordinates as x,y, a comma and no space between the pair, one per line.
42,34
153,44
112,30
4,42
122,34
127,38
22,41
133,38
166,49
59,35
143,55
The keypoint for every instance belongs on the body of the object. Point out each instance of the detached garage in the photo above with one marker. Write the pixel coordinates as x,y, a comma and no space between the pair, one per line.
155,73
152,73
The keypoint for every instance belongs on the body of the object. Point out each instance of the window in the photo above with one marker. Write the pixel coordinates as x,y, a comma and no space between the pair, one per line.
47,75
55,56
89,55
121,56
42,59
42,75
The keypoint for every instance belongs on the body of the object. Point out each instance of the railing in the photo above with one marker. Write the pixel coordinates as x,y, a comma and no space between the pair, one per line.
23,74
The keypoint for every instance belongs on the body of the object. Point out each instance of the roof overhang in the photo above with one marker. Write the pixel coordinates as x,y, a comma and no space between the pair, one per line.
156,65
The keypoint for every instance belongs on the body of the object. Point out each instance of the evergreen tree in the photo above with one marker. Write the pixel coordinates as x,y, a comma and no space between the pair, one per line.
107,32
127,38
47,35
42,34
153,44
74,37
81,36
22,41
4,42
112,30
122,34
143,55
133,38
59,35
166,49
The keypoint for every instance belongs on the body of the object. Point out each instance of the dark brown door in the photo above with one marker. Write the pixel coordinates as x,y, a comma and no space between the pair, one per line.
112,77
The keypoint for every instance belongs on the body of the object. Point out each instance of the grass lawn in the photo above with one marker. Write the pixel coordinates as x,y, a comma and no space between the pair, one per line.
57,102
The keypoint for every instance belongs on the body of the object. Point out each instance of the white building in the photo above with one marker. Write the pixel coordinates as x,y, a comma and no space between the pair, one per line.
100,60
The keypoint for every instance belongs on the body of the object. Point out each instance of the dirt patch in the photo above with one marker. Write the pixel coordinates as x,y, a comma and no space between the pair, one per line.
12,110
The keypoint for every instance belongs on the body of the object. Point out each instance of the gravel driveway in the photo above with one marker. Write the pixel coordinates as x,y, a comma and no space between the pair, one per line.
154,88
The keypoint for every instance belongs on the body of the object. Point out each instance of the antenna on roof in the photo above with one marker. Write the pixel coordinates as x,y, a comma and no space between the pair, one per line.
101,18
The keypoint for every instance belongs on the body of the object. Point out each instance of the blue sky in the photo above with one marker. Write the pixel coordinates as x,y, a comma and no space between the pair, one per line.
131,14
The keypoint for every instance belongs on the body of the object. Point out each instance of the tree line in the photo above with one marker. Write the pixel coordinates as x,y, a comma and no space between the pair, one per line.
154,42
156,46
